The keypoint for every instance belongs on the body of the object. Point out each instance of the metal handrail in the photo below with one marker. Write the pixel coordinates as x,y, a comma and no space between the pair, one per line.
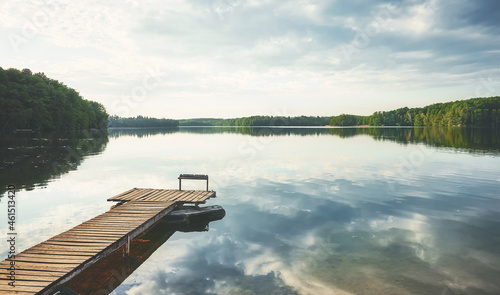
193,177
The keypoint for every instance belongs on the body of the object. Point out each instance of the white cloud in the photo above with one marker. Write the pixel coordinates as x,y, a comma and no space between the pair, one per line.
264,51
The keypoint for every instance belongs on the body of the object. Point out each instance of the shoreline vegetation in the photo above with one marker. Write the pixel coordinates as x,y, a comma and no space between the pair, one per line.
474,112
35,103
141,122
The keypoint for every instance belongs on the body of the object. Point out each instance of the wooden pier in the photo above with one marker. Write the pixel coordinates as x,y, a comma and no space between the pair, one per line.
55,261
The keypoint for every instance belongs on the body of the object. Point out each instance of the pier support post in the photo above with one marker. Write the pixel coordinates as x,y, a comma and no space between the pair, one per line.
126,248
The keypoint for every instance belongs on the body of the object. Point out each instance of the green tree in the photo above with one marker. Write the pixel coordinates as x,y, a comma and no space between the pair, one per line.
34,101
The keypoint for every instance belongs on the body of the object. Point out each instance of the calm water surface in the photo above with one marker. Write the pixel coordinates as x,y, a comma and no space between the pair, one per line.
308,211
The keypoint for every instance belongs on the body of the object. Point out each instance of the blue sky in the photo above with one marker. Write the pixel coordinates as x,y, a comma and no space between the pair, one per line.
232,58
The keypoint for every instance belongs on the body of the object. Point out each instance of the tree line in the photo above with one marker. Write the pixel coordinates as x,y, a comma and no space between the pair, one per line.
141,122
277,121
479,112
36,102
260,121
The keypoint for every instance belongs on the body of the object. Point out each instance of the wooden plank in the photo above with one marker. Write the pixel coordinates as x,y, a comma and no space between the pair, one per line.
62,252
129,208
205,198
149,196
96,232
127,211
121,216
131,196
84,238
181,197
95,242
93,228
193,197
168,208
116,229
124,193
126,214
178,197
147,205
104,225
120,222
77,244
165,195
52,256
111,223
93,232
66,248
24,282
152,204
80,235
199,197
128,197
34,275
117,215
65,255
57,260
50,246
35,272
44,281
158,195
144,192
85,231
43,266
6,289
188,197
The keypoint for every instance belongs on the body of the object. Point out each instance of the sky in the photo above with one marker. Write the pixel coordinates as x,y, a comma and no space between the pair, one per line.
233,58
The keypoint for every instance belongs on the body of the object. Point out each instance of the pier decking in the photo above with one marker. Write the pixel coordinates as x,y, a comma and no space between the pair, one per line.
55,261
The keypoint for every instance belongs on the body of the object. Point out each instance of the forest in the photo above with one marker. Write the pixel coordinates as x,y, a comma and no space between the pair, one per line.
140,122
277,121
200,122
260,121
36,102
477,112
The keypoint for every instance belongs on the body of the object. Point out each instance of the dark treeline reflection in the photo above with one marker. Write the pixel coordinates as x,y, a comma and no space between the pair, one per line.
258,131
480,140
140,132
485,140
30,160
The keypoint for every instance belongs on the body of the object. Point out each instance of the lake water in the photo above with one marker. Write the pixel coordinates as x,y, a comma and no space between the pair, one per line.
308,211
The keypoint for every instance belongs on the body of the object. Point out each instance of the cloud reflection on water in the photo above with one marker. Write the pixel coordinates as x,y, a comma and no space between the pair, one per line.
311,215
354,240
